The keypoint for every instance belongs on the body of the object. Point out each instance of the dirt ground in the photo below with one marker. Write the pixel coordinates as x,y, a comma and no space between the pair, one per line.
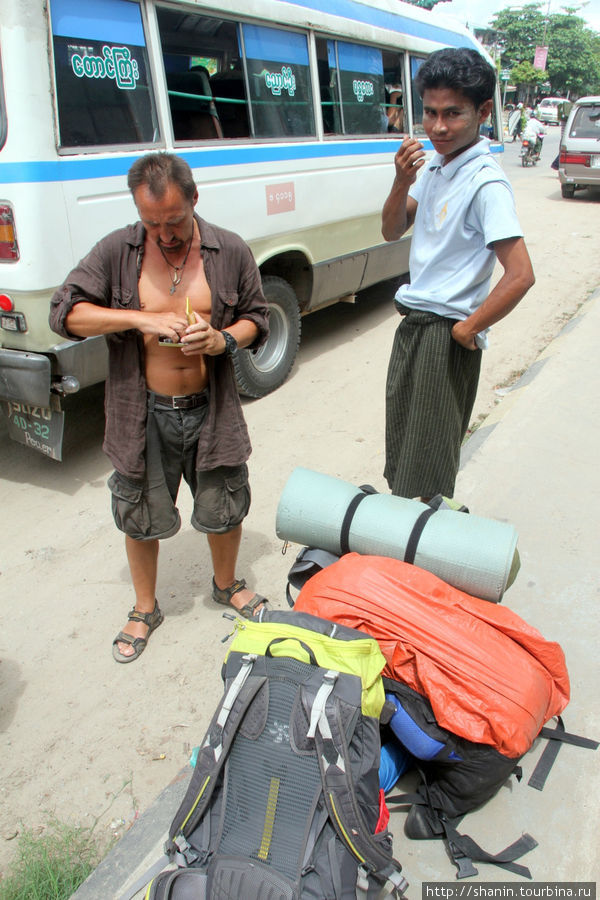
93,742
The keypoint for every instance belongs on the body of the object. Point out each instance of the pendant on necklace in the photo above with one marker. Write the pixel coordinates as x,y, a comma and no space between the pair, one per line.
177,270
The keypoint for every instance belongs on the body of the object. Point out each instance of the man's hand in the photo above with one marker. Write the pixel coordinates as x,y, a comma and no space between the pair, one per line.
399,209
165,324
202,338
464,336
408,160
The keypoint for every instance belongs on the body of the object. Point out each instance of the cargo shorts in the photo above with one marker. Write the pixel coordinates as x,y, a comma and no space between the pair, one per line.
146,510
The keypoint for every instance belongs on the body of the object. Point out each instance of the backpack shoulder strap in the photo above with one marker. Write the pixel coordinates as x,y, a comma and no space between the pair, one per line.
327,730
212,755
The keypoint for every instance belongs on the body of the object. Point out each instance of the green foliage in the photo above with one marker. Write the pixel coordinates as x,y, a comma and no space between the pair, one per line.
425,4
525,73
573,60
50,866
521,31
573,63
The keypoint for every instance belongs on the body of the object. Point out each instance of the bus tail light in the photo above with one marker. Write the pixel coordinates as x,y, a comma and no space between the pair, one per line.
574,159
9,248
6,304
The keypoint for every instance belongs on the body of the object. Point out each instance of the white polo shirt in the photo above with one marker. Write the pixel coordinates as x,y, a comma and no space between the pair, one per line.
463,207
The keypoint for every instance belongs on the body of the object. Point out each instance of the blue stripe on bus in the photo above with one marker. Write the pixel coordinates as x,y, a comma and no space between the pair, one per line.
358,12
114,21
66,169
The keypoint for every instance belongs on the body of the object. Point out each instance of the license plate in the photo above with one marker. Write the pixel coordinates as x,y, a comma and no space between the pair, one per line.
38,427
595,162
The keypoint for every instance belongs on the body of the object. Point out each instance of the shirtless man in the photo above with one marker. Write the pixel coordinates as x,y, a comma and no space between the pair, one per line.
175,297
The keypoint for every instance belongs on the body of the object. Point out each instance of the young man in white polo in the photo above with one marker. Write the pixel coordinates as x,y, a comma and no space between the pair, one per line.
463,212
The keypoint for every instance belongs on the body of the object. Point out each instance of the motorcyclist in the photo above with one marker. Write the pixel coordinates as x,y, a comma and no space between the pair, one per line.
534,131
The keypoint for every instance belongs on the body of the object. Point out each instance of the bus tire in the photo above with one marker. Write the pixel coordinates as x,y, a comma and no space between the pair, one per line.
258,372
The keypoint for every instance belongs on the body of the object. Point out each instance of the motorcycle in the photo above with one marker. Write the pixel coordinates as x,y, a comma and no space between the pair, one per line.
531,151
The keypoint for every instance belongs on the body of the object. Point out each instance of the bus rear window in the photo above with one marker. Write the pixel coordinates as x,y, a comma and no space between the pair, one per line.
103,91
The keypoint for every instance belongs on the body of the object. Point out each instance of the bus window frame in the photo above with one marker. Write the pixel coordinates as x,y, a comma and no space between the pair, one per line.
140,146
382,48
238,22
414,92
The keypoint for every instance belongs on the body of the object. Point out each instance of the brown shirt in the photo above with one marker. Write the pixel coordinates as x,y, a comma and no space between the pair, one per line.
108,276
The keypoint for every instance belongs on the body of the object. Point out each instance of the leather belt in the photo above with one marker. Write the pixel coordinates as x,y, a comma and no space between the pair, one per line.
183,401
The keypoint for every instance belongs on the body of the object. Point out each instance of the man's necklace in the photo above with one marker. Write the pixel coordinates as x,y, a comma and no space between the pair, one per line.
177,274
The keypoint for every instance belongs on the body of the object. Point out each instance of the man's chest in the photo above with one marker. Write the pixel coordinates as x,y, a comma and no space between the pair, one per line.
164,287
444,205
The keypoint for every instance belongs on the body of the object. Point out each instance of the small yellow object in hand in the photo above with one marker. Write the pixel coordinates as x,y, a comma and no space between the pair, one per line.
189,312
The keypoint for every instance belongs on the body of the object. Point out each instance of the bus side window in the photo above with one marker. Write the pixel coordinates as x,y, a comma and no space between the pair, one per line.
103,93
279,82
393,72
193,111
328,86
417,102
229,95
198,53
352,87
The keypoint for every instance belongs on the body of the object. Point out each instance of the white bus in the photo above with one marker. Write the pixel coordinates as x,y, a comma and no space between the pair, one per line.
289,114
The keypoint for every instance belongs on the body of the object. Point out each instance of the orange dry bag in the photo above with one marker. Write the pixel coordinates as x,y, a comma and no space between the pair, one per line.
490,677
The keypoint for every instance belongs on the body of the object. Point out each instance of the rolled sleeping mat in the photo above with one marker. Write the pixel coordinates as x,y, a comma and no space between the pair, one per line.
474,554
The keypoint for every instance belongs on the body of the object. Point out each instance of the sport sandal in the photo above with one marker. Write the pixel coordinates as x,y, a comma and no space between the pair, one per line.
152,620
224,595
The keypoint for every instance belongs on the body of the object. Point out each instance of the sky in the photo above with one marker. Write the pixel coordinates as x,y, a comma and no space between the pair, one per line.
478,13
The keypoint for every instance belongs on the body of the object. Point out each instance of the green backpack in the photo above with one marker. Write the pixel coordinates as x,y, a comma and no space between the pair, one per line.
284,801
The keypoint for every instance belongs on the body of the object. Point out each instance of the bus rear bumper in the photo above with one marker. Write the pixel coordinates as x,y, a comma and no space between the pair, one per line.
25,377
31,378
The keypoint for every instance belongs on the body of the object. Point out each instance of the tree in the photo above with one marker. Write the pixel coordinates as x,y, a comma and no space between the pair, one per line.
521,31
425,4
525,75
573,64
573,59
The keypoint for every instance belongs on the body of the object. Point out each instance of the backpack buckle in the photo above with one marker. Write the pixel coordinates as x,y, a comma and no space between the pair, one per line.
464,864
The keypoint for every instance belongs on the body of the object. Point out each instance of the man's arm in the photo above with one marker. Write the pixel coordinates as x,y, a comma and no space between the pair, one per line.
399,209
88,320
518,277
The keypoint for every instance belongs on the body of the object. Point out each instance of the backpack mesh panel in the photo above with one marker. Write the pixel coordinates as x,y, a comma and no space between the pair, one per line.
271,791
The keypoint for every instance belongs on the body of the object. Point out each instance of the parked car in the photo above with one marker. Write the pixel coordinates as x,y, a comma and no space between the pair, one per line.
553,110
579,159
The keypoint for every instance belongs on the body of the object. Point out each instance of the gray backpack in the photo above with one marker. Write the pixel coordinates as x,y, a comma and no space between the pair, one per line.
284,802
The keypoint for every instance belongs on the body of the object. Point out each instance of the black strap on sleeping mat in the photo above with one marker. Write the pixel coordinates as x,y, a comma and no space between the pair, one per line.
365,490
556,737
415,535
